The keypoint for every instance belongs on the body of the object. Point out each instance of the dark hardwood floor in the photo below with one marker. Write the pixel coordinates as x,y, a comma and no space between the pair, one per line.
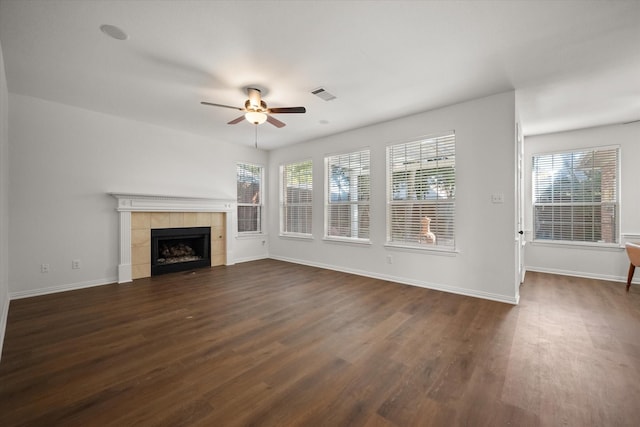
270,343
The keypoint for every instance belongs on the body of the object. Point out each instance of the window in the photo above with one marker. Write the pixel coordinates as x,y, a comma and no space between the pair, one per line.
575,196
249,186
296,198
347,198
421,180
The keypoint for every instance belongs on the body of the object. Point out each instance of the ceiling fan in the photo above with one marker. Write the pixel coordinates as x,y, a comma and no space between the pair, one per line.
256,110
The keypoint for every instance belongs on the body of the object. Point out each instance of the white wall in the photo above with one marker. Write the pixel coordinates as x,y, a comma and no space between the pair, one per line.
608,264
485,233
63,162
4,202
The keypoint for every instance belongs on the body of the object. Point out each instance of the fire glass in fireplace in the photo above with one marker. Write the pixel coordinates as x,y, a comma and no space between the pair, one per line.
179,249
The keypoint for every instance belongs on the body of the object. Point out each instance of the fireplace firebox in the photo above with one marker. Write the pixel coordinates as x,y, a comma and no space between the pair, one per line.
180,249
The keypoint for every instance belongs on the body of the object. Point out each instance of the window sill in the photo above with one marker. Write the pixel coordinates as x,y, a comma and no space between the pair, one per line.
432,250
292,236
355,242
248,236
578,245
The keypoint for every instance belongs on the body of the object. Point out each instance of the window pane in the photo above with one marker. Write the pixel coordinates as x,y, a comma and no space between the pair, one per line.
421,205
348,188
575,196
296,197
297,219
249,198
248,218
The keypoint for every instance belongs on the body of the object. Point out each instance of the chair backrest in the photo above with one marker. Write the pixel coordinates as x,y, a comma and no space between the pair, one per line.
633,251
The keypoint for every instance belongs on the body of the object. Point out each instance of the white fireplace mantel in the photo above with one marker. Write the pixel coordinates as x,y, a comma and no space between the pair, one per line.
128,202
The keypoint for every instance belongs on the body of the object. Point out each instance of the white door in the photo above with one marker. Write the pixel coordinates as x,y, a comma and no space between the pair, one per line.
520,235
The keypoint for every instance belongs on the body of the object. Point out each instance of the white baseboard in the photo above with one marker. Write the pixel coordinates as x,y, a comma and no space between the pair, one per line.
405,281
62,288
247,259
4,314
90,283
397,279
583,275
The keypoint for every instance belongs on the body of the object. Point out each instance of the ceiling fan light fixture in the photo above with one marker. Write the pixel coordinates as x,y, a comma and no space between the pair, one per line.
255,117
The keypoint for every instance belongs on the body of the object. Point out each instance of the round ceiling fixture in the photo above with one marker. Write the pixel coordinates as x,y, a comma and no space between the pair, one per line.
256,117
114,32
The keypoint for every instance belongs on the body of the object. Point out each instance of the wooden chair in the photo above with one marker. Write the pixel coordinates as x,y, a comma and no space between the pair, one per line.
633,251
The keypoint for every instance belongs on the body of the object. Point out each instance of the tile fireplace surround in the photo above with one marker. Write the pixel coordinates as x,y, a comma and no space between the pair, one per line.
133,203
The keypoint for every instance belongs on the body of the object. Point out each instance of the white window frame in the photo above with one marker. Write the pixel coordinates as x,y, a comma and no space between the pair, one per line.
614,204
258,203
433,197
358,193
300,205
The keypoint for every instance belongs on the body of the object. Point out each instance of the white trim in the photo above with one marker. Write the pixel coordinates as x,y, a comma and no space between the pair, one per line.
430,249
626,237
251,235
129,202
347,240
582,274
4,315
124,266
578,245
125,273
419,283
62,288
296,236
251,258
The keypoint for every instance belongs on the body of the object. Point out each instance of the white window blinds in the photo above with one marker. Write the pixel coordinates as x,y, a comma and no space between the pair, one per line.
296,197
347,197
421,191
249,192
575,196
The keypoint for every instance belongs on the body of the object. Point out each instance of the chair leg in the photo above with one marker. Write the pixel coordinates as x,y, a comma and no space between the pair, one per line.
632,269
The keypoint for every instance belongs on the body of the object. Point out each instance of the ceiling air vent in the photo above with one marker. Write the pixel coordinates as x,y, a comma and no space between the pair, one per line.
322,93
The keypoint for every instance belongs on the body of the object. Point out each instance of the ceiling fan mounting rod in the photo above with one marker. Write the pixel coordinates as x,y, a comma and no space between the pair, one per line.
254,98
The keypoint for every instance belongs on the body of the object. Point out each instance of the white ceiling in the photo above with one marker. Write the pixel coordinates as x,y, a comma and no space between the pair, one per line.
573,64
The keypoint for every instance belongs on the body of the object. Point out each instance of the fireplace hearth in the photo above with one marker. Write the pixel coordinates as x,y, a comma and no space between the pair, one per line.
180,249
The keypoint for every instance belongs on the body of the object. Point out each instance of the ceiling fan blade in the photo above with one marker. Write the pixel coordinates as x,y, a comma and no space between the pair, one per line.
287,110
277,123
221,105
236,121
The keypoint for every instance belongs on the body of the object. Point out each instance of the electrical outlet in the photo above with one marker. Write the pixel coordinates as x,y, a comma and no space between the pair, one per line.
44,268
389,259
75,264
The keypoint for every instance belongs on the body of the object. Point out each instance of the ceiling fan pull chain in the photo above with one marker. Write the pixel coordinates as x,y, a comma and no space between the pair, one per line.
256,126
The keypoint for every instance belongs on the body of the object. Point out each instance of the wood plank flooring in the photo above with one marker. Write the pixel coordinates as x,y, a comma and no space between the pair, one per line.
267,343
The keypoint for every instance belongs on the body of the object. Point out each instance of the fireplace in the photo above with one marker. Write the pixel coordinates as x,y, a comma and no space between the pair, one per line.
141,213
180,249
